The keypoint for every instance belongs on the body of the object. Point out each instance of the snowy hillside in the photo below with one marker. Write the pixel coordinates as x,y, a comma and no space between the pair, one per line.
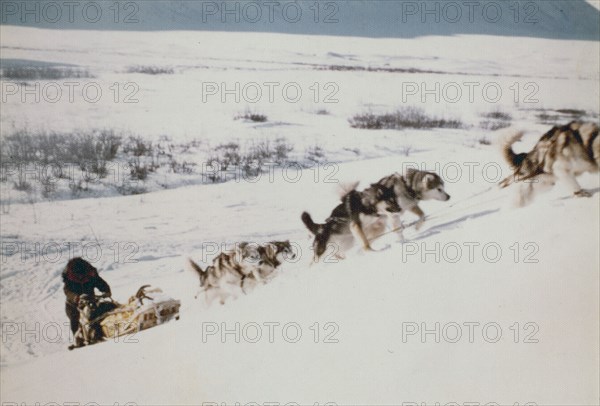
370,299
486,303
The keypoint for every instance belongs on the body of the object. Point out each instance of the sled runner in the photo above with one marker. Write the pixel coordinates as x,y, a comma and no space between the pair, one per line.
102,318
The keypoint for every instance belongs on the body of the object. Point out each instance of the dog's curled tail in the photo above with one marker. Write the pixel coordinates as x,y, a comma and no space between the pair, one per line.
310,224
512,158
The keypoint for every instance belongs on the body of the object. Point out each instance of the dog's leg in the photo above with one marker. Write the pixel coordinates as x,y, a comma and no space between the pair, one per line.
84,326
85,336
417,210
570,180
506,181
396,221
79,342
256,273
530,188
358,230
525,194
248,285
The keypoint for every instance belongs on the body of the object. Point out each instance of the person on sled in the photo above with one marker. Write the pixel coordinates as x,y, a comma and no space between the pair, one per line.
81,278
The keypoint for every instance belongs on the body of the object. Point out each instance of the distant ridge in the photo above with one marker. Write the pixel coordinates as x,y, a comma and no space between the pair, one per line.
556,19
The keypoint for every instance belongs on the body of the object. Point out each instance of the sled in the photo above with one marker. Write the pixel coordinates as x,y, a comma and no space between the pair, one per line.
140,313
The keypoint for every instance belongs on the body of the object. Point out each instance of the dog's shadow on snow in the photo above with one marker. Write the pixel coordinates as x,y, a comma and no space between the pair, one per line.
452,224
594,191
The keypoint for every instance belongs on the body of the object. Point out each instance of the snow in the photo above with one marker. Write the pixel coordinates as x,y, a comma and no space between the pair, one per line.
546,275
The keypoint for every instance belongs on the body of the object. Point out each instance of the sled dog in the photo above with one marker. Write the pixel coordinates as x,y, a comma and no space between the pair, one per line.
364,215
86,333
562,154
247,263
411,189
91,311
274,254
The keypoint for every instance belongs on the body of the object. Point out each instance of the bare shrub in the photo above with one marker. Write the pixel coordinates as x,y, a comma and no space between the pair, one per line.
140,168
90,150
282,150
407,117
254,117
497,115
184,167
572,112
315,154
547,118
108,144
127,188
78,188
151,70
48,187
28,73
250,160
228,155
87,148
22,185
493,125
137,146
495,120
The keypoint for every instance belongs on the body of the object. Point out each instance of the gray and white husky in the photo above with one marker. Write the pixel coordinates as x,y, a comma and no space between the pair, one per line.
562,154
237,270
364,215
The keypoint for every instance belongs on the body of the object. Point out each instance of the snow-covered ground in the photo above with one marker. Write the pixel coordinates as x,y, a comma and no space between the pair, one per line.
520,285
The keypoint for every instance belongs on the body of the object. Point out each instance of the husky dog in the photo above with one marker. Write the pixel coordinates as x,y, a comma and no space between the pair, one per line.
277,252
389,198
220,278
562,154
273,255
410,189
360,215
86,334
235,268
91,312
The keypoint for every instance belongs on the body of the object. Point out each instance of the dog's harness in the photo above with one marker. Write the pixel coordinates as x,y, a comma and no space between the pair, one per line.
242,275
232,266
